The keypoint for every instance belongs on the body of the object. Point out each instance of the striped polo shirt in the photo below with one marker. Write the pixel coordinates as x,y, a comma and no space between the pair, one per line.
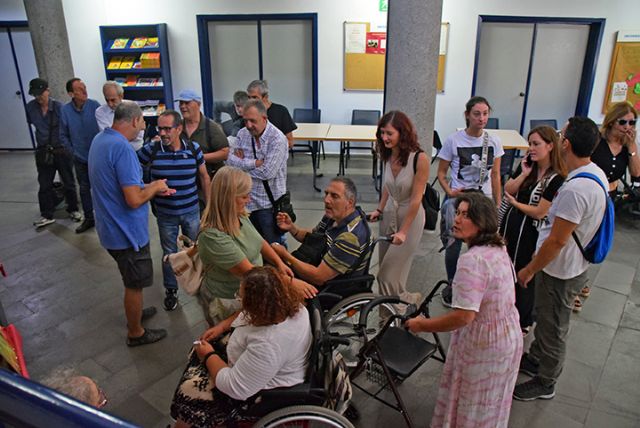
348,243
180,169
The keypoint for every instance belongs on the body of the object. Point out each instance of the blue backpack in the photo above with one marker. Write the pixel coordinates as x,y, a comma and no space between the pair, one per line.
601,243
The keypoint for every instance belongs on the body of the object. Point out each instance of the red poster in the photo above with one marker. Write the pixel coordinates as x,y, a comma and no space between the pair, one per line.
376,43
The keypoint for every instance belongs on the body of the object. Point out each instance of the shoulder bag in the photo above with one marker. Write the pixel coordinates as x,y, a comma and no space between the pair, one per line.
430,199
186,265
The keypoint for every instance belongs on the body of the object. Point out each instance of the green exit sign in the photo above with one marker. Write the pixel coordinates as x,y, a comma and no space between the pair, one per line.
384,5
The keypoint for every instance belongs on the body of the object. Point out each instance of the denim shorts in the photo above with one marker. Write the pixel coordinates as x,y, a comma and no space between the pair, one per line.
135,267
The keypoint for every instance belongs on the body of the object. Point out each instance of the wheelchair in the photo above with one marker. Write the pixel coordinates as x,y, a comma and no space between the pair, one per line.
305,403
393,354
342,299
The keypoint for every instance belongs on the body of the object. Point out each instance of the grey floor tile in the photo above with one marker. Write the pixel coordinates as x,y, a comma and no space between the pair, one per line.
603,307
589,342
615,277
598,419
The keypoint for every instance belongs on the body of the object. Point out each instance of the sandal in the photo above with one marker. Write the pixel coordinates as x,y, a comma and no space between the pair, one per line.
577,305
586,291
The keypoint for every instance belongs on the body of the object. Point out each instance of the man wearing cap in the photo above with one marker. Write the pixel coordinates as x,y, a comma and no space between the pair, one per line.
277,113
43,113
113,95
202,130
78,126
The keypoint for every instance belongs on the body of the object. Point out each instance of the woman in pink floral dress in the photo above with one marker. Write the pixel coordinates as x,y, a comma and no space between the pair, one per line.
486,343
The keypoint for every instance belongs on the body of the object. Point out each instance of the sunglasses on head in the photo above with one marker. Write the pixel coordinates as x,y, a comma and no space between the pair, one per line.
623,122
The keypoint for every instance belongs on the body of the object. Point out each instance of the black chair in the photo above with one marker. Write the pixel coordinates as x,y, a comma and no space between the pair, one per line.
360,117
538,122
493,123
309,115
394,354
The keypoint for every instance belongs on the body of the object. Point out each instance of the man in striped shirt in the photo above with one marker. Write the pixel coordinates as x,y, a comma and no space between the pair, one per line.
181,163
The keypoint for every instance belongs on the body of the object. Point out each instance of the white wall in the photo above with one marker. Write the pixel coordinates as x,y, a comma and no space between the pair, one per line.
84,17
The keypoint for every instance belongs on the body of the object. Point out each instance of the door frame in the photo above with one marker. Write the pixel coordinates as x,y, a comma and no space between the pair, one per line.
8,25
594,41
208,95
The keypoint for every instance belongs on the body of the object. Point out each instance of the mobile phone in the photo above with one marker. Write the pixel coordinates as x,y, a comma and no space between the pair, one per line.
368,217
527,159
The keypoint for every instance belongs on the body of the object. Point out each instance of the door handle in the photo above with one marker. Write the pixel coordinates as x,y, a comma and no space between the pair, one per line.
522,94
18,93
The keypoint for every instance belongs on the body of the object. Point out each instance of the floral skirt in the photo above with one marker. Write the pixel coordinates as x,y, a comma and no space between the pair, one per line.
197,402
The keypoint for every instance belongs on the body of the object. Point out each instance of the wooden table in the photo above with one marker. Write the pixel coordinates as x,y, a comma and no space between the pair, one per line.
510,139
344,133
312,132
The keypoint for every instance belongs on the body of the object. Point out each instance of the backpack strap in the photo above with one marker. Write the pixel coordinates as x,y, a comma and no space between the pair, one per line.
593,177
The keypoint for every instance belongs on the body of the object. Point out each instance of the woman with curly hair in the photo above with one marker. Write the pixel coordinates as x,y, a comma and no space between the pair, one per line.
482,364
267,349
405,177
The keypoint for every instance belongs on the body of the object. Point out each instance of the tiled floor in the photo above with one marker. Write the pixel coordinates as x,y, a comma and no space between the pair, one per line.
65,295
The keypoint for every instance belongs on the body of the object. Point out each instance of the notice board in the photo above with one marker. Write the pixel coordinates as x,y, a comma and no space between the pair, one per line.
624,76
364,57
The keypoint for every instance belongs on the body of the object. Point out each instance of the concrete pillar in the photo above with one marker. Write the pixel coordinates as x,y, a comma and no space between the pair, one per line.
413,43
50,44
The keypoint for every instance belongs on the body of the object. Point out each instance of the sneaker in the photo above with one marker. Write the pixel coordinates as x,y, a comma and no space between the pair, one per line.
149,336
527,366
75,216
148,313
586,291
447,296
534,389
170,300
85,225
43,222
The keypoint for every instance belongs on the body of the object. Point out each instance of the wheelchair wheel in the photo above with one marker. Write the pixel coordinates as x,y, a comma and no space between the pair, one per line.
304,416
342,319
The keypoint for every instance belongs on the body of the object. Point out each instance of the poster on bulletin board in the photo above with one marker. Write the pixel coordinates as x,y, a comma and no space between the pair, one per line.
364,57
624,76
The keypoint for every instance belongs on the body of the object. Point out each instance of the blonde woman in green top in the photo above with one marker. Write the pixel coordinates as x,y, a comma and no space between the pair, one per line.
229,246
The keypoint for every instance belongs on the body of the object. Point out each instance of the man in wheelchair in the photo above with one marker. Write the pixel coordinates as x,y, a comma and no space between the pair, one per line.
339,247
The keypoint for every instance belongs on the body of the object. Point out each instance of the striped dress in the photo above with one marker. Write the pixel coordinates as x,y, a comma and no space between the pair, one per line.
482,363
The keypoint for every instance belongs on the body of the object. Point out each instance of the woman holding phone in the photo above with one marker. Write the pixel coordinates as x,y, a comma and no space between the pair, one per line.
529,192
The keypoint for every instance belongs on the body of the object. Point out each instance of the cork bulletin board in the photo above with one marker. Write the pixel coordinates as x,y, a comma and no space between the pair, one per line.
364,57
624,76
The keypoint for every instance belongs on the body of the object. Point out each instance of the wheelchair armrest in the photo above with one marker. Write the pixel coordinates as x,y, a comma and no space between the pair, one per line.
337,285
269,400
364,312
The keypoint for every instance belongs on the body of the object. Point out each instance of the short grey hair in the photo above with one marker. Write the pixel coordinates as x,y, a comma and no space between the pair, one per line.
113,84
67,381
350,190
260,85
240,97
257,104
127,111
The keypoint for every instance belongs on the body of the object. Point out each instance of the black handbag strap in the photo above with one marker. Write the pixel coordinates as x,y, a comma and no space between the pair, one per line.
265,183
415,166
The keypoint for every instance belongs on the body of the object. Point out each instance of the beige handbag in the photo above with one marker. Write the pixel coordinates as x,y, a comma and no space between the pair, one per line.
186,265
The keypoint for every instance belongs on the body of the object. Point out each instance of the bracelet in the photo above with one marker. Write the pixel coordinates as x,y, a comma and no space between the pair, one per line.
378,210
206,357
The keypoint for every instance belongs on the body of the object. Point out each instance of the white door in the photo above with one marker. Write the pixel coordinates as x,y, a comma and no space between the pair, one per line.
13,119
556,72
287,59
503,62
510,60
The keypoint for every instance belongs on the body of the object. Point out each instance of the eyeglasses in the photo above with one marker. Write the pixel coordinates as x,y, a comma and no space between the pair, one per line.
165,128
102,398
623,122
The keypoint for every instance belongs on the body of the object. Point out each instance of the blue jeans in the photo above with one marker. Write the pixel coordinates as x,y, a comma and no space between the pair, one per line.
452,245
169,226
82,175
266,225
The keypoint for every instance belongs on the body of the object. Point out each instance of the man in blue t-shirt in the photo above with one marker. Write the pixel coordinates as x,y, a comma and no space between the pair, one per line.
182,164
78,126
122,214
